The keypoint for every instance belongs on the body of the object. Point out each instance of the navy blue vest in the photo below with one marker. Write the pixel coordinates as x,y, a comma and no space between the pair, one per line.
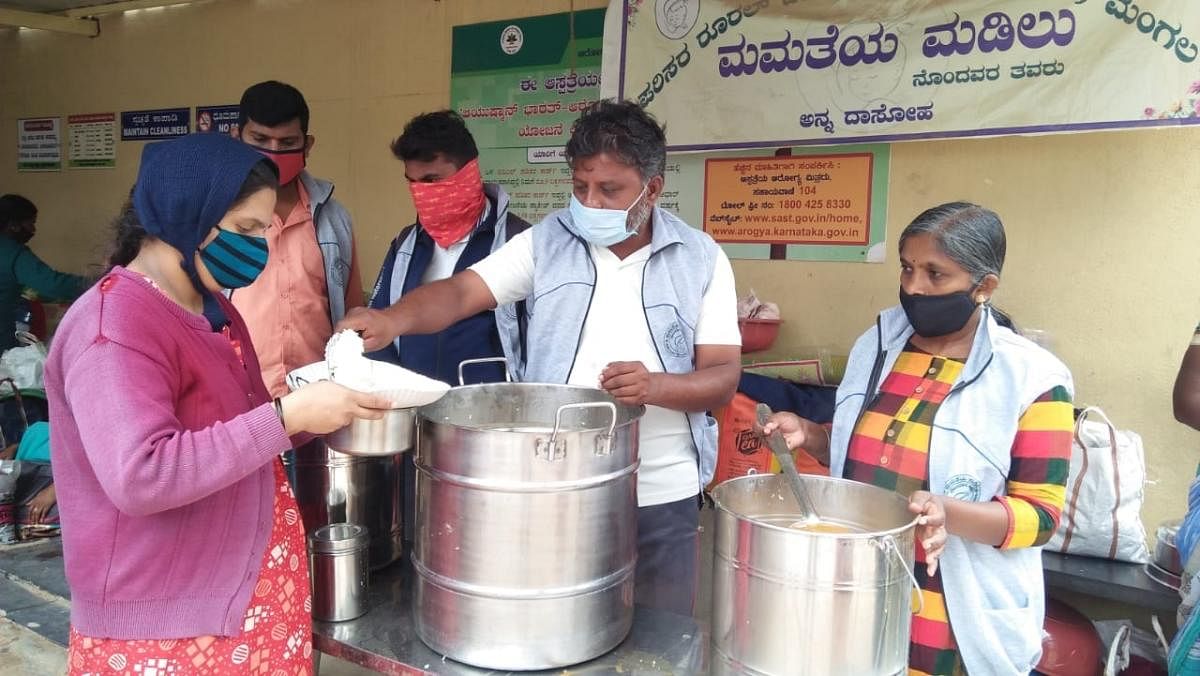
438,355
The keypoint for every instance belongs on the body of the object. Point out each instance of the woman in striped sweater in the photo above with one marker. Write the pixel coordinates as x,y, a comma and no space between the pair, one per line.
943,402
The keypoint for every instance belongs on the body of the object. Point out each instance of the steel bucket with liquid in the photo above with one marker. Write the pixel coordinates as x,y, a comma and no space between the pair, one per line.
788,601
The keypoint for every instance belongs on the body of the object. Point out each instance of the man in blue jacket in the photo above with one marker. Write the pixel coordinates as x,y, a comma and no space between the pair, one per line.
460,220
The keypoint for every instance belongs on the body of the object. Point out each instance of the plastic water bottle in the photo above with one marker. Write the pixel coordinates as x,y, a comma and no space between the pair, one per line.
9,469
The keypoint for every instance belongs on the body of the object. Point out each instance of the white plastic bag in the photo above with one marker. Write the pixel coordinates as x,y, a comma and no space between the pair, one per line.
25,365
1102,516
751,307
1122,641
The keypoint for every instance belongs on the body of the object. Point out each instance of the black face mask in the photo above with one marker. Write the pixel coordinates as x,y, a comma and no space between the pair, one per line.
933,316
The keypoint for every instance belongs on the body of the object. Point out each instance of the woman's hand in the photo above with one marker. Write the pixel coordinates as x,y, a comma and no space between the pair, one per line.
931,526
322,407
793,428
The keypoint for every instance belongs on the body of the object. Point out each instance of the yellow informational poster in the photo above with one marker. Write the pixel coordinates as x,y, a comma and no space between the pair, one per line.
815,199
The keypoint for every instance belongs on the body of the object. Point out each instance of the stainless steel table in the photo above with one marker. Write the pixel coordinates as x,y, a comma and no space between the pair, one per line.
385,639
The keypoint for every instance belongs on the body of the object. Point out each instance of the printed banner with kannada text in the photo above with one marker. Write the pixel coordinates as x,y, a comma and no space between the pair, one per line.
519,84
723,74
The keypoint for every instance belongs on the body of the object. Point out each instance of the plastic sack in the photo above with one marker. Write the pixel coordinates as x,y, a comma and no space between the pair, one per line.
9,471
751,307
1102,514
25,365
1127,645
741,450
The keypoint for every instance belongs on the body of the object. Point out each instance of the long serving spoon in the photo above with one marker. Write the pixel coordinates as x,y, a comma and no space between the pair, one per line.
779,447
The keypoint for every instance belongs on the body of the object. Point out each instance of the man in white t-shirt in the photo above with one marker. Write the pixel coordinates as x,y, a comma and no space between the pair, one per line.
624,296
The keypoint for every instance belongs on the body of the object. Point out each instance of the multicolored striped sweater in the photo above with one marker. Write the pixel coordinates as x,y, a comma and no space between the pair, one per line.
890,449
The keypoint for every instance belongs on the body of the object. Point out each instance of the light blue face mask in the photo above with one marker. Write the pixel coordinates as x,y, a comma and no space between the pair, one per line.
603,227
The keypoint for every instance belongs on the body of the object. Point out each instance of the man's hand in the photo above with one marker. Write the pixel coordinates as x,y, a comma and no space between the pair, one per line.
427,309
628,382
375,326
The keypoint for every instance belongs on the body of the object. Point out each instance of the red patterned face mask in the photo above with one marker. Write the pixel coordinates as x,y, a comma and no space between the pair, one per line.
450,208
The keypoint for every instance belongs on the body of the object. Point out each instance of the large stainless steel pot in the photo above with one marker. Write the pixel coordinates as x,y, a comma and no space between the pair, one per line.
793,602
333,487
526,533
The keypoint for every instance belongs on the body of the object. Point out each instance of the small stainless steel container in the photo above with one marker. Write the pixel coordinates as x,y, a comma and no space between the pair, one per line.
334,487
337,561
1166,554
391,434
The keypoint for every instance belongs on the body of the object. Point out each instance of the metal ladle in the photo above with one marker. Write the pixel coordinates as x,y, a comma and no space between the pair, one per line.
779,447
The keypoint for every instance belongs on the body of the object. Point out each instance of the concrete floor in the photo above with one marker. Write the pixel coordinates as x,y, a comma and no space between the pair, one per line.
332,666
24,653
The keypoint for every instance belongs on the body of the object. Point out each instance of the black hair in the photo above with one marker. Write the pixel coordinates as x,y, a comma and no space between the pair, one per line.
623,129
264,174
129,234
16,210
1004,319
969,235
271,104
439,133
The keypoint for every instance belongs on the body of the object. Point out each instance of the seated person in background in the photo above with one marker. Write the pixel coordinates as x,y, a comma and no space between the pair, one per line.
37,503
21,268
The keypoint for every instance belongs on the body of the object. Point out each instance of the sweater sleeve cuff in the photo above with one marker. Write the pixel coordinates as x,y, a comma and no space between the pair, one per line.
1029,523
266,430
1012,522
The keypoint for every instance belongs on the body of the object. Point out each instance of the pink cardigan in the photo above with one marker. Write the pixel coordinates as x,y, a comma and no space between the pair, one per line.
161,449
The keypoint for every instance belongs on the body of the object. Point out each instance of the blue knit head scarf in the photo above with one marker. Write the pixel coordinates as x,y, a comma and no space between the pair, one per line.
184,188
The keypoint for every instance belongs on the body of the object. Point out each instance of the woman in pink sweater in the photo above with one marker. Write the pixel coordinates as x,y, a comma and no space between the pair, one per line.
183,545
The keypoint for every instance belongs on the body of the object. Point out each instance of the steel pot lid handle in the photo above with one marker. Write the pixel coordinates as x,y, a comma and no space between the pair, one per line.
484,360
556,449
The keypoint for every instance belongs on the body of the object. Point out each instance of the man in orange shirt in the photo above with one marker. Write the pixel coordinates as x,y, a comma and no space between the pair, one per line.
310,282
312,278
